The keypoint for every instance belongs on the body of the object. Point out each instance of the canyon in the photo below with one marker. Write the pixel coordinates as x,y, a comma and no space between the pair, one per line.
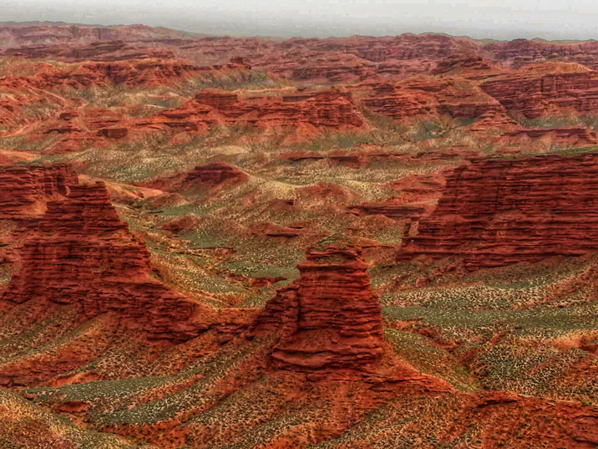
218,241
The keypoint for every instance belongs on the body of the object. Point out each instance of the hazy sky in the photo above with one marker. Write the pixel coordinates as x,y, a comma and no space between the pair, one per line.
506,19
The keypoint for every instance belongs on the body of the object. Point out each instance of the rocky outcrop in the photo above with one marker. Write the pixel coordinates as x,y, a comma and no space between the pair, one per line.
575,135
329,318
142,72
467,66
421,98
80,252
548,88
519,52
24,189
218,174
332,109
496,212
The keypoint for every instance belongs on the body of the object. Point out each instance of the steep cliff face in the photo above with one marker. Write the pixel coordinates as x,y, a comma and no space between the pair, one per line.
496,212
80,252
329,318
23,189
332,109
421,97
546,88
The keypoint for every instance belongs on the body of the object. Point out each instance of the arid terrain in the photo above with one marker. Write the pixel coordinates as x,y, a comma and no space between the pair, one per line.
364,242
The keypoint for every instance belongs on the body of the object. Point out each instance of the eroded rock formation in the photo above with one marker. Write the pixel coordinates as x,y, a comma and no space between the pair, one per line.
23,189
575,135
548,88
80,252
467,66
330,109
145,72
218,174
496,212
421,98
329,318
519,52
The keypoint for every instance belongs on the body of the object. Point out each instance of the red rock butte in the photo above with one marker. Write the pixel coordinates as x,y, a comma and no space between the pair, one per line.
329,318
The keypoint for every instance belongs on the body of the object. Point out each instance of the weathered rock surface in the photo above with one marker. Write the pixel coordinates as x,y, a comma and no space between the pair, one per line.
395,209
331,109
420,98
467,66
519,52
145,72
80,252
496,212
131,73
23,189
329,318
31,33
575,135
548,88
218,174
108,51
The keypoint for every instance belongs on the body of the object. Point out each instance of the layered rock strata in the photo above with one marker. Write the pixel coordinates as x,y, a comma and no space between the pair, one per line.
549,88
329,318
496,212
80,252
23,187
145,72
519,52
421,98
320,110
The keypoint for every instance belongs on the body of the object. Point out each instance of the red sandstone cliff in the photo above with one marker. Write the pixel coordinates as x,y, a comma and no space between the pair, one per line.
80,252
317,110
496,212
546,88
329,318
24,189
420,98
